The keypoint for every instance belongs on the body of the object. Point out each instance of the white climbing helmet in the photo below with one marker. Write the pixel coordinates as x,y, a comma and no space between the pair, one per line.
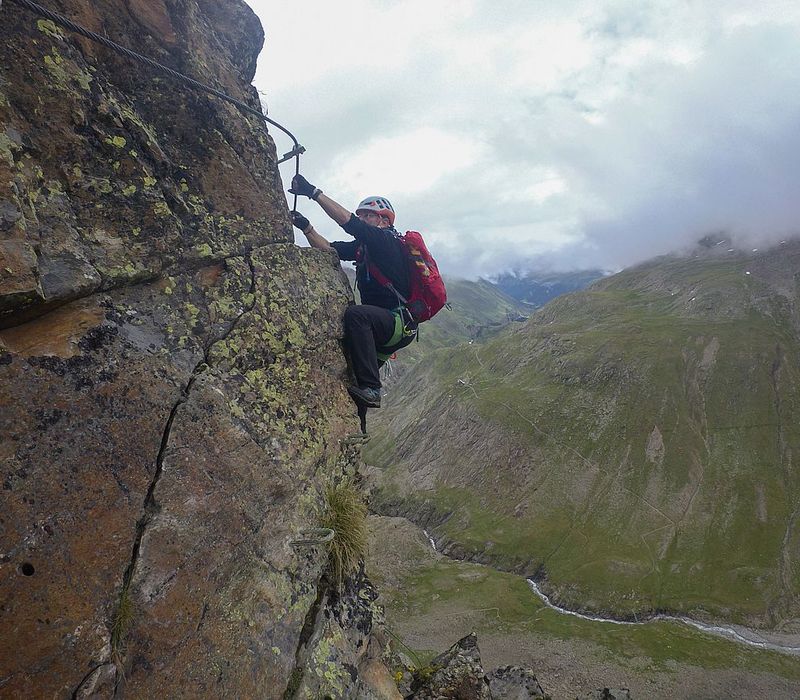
380,205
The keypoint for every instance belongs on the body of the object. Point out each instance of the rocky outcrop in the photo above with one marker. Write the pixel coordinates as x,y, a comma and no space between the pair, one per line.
458,674
514,683
112,174
344,651
171,396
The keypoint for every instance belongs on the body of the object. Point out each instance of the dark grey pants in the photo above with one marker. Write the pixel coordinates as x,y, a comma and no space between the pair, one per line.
367,328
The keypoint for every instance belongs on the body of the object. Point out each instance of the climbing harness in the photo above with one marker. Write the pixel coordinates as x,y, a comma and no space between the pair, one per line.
404,333
67,23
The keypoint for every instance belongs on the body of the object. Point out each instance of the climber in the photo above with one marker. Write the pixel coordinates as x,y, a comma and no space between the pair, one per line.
380,325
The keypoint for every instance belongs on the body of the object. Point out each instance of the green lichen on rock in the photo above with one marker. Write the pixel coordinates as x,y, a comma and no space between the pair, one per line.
49,27
161,209
83,79
53,62
64,71
196,204
131,117
7,148
129,272
331,676
54,188
268,388
193,314
204,250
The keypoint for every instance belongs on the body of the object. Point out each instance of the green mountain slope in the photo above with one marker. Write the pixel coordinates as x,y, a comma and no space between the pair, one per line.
633,444
477,310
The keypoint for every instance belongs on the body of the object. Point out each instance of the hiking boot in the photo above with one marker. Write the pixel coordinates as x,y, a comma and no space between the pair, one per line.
366,396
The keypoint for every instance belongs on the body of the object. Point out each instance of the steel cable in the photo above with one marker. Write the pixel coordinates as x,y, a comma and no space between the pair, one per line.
67,23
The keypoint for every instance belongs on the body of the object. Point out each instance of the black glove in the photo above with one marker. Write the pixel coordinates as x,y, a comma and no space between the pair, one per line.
300,221
303,187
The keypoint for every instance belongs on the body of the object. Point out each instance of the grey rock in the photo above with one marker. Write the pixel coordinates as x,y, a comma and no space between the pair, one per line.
343,654
514,683
457,674
607,694
19,275
9,214
67,277
99,684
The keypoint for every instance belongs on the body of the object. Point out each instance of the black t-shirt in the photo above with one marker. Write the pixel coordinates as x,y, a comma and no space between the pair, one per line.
385,251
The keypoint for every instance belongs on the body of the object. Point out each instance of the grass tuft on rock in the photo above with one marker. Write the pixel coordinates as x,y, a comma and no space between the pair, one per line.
122,620
346,514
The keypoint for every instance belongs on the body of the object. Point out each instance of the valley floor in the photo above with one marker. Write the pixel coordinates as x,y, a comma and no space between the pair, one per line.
432,601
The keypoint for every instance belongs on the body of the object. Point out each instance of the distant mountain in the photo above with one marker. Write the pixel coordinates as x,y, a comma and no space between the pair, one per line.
539,288
634,446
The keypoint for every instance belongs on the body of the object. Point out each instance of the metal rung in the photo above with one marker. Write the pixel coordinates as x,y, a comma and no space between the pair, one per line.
296,151
355,439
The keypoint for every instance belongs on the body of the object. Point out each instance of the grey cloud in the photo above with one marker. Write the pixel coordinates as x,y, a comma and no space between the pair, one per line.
684,150
708,147
714,151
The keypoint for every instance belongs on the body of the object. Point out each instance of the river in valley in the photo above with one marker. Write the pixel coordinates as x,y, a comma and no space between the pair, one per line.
739,634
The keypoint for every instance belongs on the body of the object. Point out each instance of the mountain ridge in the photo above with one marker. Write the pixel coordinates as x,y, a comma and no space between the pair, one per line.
538,287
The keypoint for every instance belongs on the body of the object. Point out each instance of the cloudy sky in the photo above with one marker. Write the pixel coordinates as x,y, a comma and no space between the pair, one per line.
552,134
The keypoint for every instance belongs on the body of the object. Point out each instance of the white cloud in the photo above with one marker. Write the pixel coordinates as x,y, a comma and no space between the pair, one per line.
583,132
406,163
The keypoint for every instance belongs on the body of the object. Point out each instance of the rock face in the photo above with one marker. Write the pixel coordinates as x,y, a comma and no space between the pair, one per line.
344,651
171,398
113,174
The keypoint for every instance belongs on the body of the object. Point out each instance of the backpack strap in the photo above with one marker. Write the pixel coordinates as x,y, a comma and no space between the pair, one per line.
374,271
381,279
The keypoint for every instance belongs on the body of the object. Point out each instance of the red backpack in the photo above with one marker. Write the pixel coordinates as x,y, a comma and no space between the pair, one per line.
427,294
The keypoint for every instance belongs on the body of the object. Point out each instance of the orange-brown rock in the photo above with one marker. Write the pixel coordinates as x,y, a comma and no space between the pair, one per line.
171,377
